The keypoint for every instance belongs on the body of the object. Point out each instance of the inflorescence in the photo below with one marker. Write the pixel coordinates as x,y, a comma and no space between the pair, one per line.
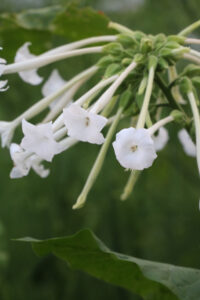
138,82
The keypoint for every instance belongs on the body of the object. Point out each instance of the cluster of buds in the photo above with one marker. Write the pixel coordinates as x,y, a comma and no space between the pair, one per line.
138,84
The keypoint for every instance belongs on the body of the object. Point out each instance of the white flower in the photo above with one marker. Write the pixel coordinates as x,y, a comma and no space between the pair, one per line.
84,125
29,76
18,155
2,67
134,148
161,139
24,161
187,143
52,85
39,139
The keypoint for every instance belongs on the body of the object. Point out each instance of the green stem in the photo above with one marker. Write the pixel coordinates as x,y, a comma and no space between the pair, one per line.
167,92
130,184
98,163
147,96
190,28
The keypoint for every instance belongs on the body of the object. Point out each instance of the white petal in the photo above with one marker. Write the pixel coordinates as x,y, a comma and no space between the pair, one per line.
187,143
134,148
53,83
21,167
161,139
39,139
30,76
83,125
3,86
38,167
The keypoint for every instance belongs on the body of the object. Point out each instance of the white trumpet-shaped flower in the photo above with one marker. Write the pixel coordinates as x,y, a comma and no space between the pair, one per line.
24,161
52,85
160,140
188,146
84,125
39,139
29,76
134,148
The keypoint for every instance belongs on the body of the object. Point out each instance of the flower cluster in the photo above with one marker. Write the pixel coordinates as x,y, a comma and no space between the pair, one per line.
133,87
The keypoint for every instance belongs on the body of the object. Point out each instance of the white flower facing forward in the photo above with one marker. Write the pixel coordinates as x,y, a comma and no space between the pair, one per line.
30,76
134,148
39,139
187,143
160,140
24,161
53,84
84,125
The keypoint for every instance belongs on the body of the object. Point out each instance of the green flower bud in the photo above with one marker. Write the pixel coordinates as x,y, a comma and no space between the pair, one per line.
159,38
127,61
179,117
146,45
175,38
138,58
112,70
126,40
113,48
191,70
105,61
185,85
163,63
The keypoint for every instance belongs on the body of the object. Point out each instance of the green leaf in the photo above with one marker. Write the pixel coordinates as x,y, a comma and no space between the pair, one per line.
40,25
151,280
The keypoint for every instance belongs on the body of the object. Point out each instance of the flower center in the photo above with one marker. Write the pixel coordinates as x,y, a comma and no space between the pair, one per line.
87,121
134,148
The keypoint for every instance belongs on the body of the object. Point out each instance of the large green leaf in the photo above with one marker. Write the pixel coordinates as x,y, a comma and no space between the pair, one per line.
151,280
39,26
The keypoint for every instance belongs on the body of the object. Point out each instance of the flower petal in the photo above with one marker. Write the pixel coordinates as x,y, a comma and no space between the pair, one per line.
187,143
134,148
84,125
30,76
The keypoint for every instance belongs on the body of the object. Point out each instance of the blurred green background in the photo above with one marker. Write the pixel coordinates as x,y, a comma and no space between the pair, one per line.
160,221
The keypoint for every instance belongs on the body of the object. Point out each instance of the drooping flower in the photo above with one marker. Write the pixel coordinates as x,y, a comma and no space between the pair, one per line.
24,161
29,76
39,139
161,139
188,146
52,85
134,148
84,125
